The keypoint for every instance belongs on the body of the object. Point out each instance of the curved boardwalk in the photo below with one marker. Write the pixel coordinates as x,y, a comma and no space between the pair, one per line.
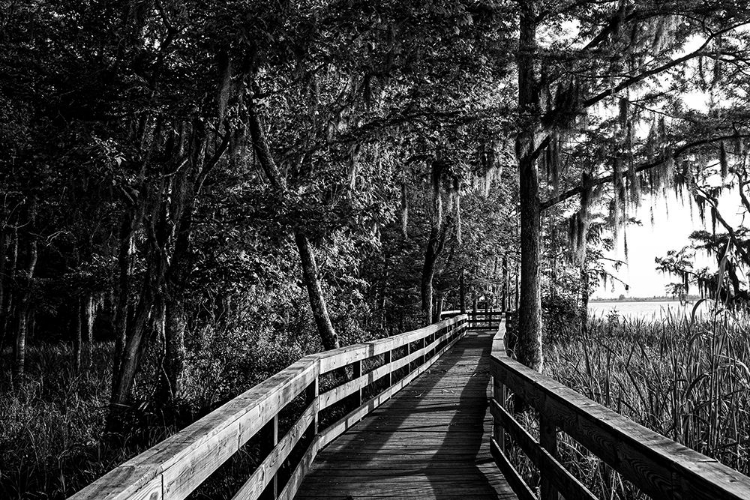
431,440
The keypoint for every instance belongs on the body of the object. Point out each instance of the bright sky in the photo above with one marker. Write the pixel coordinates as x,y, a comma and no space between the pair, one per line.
672,226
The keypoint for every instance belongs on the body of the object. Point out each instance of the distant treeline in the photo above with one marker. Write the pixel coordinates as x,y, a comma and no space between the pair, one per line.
661,298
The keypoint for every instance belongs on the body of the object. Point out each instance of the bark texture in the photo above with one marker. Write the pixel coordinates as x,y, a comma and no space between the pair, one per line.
435,243
327,333
529,347
315,292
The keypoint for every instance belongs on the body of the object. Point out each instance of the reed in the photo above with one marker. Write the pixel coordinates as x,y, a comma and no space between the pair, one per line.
685,378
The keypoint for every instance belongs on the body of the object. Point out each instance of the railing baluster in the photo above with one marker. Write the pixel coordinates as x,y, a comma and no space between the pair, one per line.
357,396
387,358
498,431
195,453
548,441
269,438
311,395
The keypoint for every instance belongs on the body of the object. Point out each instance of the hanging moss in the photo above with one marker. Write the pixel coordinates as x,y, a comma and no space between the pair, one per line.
723,160
700,201
739,146
616,188
713,220
651,141
701,74
635,183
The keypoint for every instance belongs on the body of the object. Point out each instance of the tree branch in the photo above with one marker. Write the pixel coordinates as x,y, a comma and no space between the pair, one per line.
609,178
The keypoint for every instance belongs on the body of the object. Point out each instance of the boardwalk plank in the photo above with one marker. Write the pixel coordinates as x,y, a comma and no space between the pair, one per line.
431,441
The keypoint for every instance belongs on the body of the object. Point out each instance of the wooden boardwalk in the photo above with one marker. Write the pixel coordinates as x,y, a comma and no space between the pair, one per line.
431,440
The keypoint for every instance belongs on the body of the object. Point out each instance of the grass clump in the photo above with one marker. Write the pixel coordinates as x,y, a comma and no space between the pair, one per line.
685,379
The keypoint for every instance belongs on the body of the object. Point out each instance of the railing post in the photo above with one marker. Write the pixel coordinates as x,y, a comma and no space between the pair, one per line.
269,436
387,358
311,395
499,396
408,353
548,441
357,396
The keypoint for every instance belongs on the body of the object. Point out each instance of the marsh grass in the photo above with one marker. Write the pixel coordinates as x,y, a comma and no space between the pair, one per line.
52,440
685,378
50,425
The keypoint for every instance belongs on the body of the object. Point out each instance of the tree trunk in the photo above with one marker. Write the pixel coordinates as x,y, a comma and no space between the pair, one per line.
435,243
131,356
438,307
529,347
462,290
136,325
174,355
91,306
19,366
381,294
3,280
428,274
315,292
173,364
8,305
127,230
309,266
77,335
506,286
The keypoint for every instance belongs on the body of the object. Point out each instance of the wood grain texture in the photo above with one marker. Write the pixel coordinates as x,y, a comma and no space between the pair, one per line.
179,464
546,463
514,479
431,440
254,486
657,465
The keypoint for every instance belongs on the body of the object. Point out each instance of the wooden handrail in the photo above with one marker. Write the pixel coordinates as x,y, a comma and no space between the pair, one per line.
481,319
178,465
660,467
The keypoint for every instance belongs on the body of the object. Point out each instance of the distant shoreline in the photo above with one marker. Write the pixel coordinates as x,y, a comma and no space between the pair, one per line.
644,299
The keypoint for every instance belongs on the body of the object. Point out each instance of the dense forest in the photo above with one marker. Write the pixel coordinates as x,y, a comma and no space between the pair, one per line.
193,195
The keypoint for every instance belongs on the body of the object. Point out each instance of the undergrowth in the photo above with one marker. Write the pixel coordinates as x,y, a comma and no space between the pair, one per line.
52,440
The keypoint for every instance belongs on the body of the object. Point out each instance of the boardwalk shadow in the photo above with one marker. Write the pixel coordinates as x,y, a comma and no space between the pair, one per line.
426,442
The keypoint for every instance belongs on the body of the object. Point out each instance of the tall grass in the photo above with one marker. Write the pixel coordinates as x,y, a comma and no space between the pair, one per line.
685,378
50,426
52,440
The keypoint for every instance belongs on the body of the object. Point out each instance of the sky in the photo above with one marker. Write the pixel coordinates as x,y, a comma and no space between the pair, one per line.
673,223
672,226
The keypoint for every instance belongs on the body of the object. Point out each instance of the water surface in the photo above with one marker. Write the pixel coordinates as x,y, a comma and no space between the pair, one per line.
646,309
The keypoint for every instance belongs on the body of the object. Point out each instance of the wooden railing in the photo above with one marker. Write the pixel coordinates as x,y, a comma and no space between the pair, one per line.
175,467
659,467
481,319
